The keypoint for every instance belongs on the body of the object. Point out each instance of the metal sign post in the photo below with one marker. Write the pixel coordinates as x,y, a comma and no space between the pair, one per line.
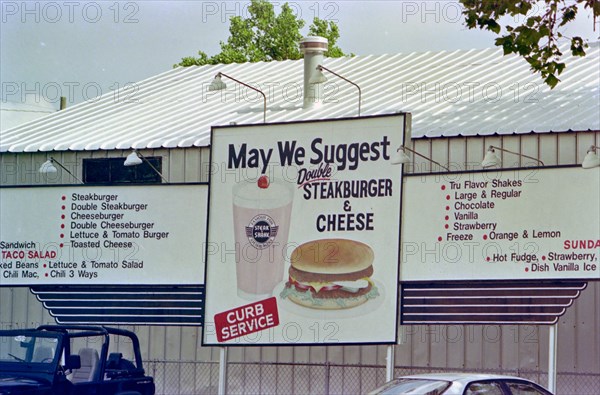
552,351
222,390
389,363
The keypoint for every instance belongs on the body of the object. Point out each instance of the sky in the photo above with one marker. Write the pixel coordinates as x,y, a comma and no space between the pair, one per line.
83,49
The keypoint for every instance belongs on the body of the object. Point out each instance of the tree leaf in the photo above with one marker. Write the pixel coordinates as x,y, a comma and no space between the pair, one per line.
551,81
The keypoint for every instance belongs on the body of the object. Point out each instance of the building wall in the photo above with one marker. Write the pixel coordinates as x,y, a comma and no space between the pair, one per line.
476,347
179,165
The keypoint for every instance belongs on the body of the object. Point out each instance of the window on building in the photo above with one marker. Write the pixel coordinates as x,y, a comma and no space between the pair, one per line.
112,171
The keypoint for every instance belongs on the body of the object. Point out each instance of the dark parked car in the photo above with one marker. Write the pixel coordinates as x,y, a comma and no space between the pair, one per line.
72,360
460,384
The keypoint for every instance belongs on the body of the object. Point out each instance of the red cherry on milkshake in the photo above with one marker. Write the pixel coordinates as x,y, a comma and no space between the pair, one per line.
263,182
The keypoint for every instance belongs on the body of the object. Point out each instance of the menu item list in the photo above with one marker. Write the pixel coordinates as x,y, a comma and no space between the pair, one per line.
502,225
73,235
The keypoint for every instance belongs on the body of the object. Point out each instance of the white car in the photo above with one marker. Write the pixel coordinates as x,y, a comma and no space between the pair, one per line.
460,384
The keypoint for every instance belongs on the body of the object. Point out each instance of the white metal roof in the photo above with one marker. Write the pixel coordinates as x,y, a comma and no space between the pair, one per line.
474,92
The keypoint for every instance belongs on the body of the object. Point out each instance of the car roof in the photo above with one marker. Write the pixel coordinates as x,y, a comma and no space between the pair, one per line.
460,377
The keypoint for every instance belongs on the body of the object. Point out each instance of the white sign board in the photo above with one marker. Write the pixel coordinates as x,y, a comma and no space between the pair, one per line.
502,225
303,233
103,235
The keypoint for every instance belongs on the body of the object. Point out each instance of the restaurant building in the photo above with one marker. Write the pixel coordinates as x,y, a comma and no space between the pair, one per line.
456,104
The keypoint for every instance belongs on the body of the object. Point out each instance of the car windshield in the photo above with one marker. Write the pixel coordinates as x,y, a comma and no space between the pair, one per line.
413,386
27,348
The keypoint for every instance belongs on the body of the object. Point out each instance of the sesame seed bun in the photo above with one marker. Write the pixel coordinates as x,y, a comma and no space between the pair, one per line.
332,256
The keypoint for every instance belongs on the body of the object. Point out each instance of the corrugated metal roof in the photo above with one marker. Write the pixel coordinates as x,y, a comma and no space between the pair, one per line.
475,92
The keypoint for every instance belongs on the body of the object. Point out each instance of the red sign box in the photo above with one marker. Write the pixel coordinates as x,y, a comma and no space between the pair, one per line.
246,319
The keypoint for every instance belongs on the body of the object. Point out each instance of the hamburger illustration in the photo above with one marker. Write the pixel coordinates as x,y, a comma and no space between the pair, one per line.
331,274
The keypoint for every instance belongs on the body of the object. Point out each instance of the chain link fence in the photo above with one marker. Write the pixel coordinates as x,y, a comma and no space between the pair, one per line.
259,378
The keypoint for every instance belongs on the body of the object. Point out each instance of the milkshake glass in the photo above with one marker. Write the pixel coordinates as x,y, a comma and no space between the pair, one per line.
261,221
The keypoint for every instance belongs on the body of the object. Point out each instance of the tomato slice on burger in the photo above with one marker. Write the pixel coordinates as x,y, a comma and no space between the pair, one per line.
331,287
299,286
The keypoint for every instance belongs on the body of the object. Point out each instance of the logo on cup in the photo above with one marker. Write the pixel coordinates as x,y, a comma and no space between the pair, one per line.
261,231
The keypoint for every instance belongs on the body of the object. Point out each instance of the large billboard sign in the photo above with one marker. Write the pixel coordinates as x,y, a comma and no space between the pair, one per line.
103,235
502,225
303,233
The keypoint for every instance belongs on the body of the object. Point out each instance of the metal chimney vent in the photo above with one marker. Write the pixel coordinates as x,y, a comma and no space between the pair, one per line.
313,48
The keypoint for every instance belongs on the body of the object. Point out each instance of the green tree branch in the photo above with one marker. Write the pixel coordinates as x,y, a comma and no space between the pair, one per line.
536,39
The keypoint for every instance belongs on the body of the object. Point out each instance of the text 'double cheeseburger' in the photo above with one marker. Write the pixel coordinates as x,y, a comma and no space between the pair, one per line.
331,274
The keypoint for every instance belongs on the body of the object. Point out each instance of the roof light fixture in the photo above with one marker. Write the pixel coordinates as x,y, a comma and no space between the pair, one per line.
133,159
136,158
491,159
48,167
217,84
591,159
320,78
400,157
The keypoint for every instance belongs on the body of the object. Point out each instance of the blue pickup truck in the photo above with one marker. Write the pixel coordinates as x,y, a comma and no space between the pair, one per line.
72,360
